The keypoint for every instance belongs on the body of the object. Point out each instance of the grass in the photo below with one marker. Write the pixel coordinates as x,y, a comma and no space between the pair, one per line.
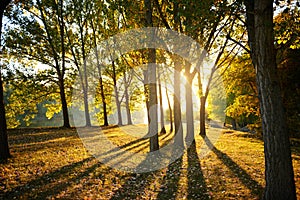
53,164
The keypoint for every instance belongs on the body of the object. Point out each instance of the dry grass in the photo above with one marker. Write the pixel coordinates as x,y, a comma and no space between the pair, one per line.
52,163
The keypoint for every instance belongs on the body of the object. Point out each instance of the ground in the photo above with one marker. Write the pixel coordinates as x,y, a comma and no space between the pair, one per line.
53,164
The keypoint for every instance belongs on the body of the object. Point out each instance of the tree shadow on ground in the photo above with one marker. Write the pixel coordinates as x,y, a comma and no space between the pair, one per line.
135,185
169,184
196,182
240,173
138,145
48,184
39,135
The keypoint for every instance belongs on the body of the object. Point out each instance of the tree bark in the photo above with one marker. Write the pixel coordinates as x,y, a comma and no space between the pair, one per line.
177,108
103,99
128,113
4,147
189,108
61,78
170,111
105,118
279,175
202,115
153,131
60,72
64,105
162,120
118,103
146,93
86,86
154,145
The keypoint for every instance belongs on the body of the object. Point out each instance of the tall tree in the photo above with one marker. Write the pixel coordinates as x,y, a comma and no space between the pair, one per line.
170,109
177,91
205,22
42,38
4,148
151,72
163,129
79,14
279,175
241,92
61,70
96,25
177,105
116,90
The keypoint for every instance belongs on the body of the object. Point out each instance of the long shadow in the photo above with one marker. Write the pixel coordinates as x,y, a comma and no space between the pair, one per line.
134,186
139,145
137,183
116,155
241,174
57,188
196,182
48,178
143,140
25,148
169,185
170,182
39,134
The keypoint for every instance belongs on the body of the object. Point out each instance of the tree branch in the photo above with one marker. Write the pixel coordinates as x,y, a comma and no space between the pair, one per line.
237,42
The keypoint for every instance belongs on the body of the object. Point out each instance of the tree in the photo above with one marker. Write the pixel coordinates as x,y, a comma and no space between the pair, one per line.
127,81
42,38
79,15
241,91
23,92
163,129
287,37
4,148
95,25
207,22
151,75
170,111
279,175
116,90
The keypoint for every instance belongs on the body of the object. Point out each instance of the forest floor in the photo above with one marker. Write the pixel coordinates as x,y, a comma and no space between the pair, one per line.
53,164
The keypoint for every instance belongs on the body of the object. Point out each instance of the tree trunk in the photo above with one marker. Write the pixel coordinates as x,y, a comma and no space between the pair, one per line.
233,123
118,103
170,111
104,106
86,107
153,126
202,115
162,120
129,120
189,110
154,145
61,75
177,108
4,148
105,118
86,86
64,105
146,93
279,173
